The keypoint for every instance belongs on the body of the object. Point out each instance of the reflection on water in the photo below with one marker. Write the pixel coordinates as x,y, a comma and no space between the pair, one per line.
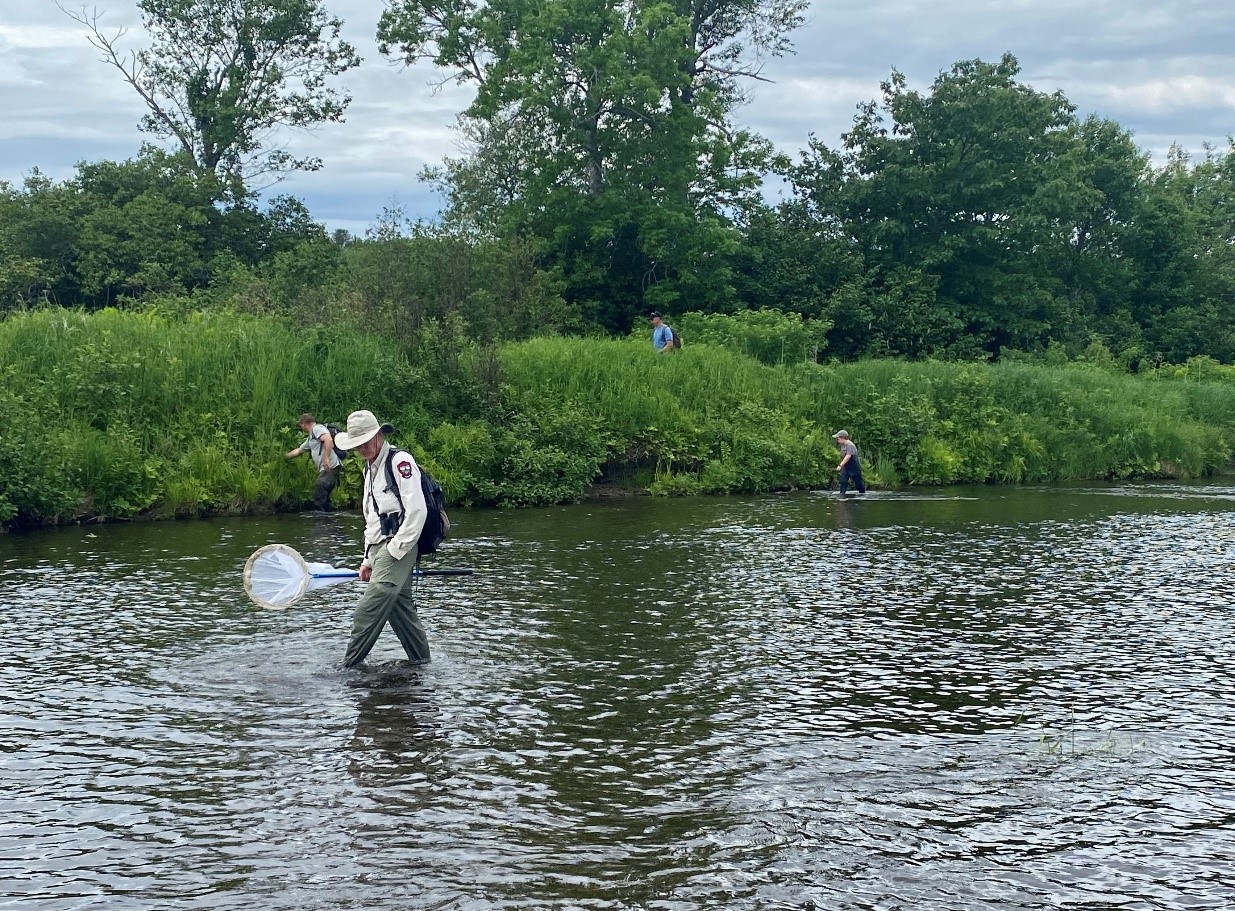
940,700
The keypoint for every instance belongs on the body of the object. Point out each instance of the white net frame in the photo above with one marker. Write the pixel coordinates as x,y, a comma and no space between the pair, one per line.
276,576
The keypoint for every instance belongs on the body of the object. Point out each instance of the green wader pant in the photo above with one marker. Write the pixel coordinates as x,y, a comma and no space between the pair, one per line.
388,597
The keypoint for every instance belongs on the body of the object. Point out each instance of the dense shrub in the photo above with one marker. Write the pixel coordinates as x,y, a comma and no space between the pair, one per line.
117,414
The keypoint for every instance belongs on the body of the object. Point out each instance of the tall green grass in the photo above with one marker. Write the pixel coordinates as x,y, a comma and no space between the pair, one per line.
704,420
720,422
185,416
949,423
139,413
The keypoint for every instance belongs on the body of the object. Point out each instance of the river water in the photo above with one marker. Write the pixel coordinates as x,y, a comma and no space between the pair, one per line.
966,699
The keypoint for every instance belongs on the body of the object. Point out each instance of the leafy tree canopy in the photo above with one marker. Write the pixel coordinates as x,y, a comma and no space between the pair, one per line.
221,77
982,211
149,225
602,129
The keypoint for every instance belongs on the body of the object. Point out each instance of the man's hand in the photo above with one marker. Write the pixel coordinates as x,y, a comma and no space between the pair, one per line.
366,572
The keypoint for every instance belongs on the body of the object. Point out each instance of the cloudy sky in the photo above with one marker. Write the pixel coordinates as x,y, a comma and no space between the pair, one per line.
1163,68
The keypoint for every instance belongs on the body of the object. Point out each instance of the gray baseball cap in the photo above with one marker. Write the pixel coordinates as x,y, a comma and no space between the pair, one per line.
841,434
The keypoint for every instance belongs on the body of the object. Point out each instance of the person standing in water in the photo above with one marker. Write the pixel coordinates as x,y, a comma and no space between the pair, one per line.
320,445
850,466
394,510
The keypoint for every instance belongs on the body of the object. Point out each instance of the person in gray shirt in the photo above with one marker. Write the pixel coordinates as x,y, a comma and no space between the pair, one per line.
320,445
850,467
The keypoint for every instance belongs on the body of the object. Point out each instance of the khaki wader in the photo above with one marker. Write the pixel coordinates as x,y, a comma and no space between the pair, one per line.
388,597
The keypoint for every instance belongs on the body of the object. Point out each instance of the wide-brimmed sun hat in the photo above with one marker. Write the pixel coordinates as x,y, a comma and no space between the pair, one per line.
362,426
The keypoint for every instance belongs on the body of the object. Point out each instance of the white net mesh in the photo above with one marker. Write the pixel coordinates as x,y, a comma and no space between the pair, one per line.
275,576
320,575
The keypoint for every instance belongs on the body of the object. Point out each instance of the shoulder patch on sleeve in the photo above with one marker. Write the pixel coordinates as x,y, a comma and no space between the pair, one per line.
405,468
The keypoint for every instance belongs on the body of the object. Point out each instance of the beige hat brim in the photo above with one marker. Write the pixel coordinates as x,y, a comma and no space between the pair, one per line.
343,441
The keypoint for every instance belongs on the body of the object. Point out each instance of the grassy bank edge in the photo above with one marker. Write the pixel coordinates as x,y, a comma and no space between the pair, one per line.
125,415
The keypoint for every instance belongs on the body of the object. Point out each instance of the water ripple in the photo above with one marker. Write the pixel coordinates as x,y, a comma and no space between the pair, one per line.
914,702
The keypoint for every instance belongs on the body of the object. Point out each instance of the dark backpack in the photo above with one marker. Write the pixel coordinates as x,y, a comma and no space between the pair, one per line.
437,523
675,340
334,430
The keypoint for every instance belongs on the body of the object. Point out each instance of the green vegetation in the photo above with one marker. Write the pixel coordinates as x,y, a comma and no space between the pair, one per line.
122,414
981,219
218,77
604,132
979,285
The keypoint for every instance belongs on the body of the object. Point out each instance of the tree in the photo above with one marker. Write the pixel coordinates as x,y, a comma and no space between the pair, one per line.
127,229
1182,243
1094,260
601,128
146,228
222,77
962,200
786,262
39,227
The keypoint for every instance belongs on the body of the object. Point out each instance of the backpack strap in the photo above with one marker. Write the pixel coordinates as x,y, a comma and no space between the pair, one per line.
390,482
390,477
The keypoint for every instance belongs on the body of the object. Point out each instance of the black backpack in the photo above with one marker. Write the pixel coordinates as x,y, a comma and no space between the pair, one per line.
675,340
334,430
437,523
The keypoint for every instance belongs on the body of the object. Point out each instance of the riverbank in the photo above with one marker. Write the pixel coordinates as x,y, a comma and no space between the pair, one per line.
116,415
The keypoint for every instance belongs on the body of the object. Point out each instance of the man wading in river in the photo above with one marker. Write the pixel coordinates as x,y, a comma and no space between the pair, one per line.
850,468
320,444
394,515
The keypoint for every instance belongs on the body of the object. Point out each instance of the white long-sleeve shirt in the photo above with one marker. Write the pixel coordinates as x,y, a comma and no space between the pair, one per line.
378,493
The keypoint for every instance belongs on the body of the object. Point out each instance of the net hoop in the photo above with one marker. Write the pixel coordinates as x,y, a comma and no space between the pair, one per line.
276,576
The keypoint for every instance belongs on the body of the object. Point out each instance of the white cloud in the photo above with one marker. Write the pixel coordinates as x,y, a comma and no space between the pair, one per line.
1169,93
1162,68
15,37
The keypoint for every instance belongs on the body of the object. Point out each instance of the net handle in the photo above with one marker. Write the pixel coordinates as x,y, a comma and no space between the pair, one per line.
307,576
